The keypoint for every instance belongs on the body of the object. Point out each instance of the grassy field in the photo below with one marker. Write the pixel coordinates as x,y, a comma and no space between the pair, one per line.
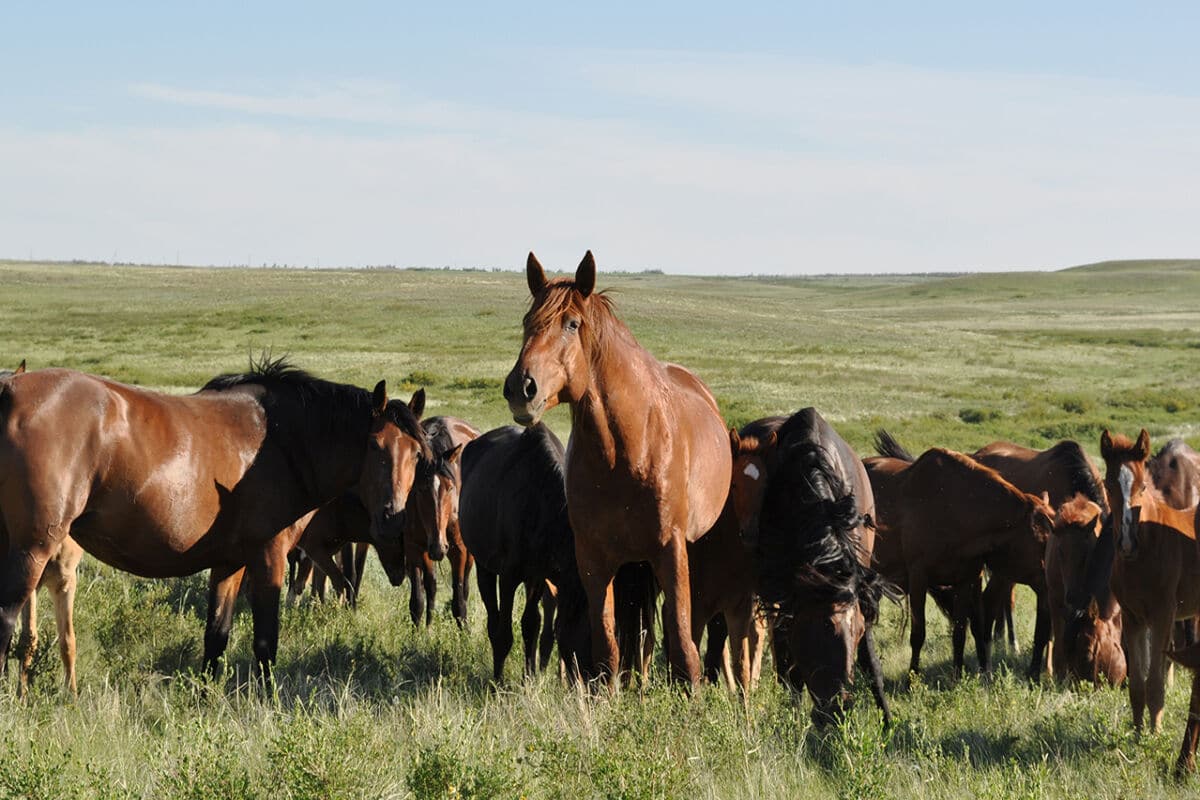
370,707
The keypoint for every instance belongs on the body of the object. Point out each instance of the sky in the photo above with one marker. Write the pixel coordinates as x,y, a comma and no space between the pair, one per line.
696,138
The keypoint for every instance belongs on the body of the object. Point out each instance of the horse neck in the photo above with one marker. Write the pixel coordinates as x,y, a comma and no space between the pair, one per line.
327,460
611,414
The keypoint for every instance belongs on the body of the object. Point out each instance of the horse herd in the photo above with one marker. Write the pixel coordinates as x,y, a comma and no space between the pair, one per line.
777,531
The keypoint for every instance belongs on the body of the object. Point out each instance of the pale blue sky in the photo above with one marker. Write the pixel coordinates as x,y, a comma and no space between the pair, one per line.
776,138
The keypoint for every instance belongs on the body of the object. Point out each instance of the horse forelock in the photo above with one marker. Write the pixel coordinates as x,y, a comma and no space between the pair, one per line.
600,325
1077,511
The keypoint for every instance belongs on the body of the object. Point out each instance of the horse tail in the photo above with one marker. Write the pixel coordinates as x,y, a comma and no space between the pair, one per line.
887,446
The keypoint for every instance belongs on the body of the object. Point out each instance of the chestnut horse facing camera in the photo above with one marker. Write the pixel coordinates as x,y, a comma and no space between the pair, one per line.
648,463
1154,575
162,485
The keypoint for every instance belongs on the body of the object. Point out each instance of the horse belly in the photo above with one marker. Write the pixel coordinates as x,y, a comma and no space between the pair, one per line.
163,539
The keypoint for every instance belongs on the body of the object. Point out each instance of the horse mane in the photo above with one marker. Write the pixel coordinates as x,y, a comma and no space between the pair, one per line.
813,559
887,446
341,405
601,327
441,441
1084,481
1079,510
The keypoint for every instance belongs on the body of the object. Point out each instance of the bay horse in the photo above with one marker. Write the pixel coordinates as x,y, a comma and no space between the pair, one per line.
513,518
1155,575
1175,471
1077,592
942,518
648,467
1059,472
813,549
163,486
432,530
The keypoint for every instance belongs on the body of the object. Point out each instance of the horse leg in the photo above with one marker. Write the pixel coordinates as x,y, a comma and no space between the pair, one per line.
266,582
223,585
868,661
916,602
671,570
322,559
1160,640
1058,643
1134,640
781,653
597,579
1010,603
360,564
546,642
714,649
319,579
757,642
416,596
491,604
430,589
980,628
504,631
740,624
963,602
531,623
62,582
1191,733
349,588
1041,636
302,568
460,566
27,642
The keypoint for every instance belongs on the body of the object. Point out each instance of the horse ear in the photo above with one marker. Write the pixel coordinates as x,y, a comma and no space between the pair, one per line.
771,440
452,454
735,441
585,275
417,403
1106,444
1046,498
535,276
379,398
20,368
1143,444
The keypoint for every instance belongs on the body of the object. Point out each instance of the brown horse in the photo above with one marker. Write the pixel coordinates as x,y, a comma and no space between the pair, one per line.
1156,570
1175,471
942,518
813,548
163,486
513,516
432,530
1078,526
1059,472
1189,657
648,467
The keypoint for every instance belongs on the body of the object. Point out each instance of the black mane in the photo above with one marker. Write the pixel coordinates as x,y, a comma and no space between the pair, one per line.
887,446
1070,456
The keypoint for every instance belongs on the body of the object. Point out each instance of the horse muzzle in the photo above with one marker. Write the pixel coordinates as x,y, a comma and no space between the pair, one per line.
521,392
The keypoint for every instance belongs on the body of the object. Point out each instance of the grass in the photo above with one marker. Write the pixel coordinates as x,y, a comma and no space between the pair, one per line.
368,706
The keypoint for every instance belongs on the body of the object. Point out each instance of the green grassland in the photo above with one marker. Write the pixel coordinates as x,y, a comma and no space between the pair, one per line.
368,706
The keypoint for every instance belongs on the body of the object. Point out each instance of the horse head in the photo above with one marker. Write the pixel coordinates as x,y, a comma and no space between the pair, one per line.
396,447
751,458
553,365
1125,480
435,498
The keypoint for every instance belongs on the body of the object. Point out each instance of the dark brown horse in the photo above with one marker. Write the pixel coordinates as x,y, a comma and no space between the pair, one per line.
942,518
164,486
1079,601
1189,657
513,516
1059,472
1155,573
432,529
648,469
1175,471
813,548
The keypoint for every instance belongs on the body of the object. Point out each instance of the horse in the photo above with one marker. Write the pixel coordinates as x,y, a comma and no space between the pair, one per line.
813,549
432,530
1079,600
1189,657
942,518
513,517
163,486
648,467
1175,471
1155,574
1060,472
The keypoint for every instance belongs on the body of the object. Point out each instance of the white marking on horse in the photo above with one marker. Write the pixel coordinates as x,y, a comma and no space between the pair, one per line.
1125,479
751,472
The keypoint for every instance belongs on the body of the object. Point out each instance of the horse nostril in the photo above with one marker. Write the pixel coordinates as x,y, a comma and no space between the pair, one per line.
530,387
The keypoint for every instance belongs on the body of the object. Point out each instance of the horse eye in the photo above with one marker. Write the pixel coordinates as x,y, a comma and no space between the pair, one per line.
572,325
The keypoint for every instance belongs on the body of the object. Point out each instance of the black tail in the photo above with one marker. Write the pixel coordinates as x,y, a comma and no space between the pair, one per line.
887,446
